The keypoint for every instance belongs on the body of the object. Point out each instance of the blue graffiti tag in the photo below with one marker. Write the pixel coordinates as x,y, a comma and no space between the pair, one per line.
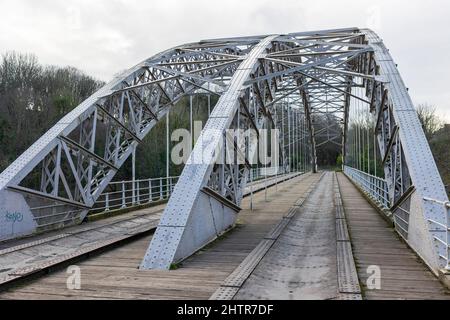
14,217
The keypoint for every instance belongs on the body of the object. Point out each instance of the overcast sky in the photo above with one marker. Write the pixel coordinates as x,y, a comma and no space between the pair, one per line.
103,37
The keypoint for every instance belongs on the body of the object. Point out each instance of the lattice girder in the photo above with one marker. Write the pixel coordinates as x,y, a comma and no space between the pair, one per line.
76,163
58,179
409,168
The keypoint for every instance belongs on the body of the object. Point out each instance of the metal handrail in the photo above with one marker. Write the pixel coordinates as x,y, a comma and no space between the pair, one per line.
132,193
375,187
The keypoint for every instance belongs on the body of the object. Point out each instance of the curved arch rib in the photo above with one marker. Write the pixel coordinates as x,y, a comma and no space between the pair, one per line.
57,180
196,214
194,217
409,168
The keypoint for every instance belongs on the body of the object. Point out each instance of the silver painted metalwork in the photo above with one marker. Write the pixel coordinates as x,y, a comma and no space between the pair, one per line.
374,186
410,173
133,193
304,84
77,158
443,242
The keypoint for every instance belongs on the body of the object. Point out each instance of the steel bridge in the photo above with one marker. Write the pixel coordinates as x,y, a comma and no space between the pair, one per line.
321,88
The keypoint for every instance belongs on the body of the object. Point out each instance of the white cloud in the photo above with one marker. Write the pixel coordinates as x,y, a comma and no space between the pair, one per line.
103,37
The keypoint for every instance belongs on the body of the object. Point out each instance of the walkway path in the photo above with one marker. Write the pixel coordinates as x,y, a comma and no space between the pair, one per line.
375,243
301,264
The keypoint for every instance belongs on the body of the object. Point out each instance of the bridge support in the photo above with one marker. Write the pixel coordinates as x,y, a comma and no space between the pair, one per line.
258,84
409,166
60,177
415,193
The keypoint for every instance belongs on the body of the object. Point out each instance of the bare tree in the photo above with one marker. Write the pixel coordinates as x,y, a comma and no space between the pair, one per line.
429,119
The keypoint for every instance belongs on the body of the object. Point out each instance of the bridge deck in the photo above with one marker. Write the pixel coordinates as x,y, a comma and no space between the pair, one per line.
31,255
302,261
114,274
374,242
19,258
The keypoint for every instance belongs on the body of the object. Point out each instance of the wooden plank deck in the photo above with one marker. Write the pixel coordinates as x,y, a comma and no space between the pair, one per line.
114,274
302,262
19,258
374,242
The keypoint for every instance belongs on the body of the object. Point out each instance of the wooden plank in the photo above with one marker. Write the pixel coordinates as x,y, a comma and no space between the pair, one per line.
374,242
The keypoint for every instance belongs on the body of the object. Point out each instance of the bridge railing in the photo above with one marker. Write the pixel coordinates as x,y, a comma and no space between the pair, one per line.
123,194
375,187
444,242
132,193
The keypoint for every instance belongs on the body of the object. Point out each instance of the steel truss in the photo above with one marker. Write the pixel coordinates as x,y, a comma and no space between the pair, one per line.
302,82
409,168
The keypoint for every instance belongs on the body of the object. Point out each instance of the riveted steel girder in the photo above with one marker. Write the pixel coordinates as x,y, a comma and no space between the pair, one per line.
409,167
262,81
194,217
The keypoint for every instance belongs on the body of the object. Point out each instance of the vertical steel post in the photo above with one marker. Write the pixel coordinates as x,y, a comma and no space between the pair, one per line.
277,148
368,146
265,157
107,202
133,174
289,134
167,144
284,138
191,121
209,104
150,199
251,189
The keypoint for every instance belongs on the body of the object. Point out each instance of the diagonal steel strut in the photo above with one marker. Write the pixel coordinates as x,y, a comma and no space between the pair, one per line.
193,218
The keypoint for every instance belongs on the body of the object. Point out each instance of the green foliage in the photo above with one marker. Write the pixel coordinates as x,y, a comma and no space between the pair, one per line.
174,266
64,103
32,98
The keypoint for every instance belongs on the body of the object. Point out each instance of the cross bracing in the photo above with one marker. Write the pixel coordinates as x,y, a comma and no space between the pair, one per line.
308,85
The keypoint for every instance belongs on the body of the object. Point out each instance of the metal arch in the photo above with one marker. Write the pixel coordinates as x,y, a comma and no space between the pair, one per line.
193,217
77,158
